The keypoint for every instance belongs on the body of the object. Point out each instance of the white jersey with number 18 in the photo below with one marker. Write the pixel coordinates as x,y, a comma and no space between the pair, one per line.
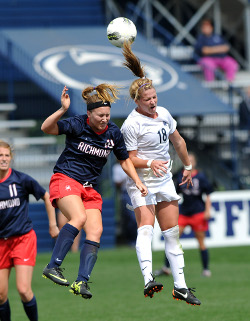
150,137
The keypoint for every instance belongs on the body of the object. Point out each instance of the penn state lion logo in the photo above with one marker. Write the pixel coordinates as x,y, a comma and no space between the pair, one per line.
67,64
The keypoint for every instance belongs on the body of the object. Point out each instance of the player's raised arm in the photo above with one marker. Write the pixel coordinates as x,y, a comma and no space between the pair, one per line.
50,126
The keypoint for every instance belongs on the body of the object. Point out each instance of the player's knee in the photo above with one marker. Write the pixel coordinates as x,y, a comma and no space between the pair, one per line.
144,235
172,241
25,292
3,297
94,234
145,231
79,222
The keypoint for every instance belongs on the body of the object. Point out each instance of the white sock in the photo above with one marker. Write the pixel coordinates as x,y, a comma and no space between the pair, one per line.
174,253
144,251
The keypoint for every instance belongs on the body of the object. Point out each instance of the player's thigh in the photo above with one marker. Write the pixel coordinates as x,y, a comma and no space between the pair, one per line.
24,275
93,226
167,214
73,209
145,215
4,284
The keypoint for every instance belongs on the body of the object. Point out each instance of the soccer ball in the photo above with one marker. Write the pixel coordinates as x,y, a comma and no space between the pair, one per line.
121,29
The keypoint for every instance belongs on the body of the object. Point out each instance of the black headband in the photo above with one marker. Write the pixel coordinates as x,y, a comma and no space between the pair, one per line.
98,104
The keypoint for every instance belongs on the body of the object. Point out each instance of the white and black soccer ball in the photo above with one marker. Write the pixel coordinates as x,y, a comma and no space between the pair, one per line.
121,29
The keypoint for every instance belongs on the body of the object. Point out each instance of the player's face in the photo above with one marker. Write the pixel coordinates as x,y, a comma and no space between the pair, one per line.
99,118
147,103
5,158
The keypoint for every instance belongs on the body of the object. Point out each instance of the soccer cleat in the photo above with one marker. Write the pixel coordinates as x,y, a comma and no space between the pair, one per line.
185,295
55,275
151,287
81,288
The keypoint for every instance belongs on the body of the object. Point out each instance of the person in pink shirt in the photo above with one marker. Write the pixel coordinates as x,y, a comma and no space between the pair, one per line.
212,50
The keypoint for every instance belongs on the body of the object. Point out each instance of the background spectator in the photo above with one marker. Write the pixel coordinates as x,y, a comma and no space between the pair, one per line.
213,52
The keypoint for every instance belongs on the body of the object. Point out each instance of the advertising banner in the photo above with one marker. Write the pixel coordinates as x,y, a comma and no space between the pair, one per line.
229,224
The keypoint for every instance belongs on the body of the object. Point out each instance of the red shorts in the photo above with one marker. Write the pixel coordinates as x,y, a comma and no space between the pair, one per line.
197,222
62,185
18,250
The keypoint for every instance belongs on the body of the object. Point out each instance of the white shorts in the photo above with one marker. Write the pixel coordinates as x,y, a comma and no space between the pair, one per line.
156,194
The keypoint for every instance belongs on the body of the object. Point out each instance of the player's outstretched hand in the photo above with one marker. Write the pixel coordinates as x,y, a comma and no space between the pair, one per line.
65,100
186,178
143,189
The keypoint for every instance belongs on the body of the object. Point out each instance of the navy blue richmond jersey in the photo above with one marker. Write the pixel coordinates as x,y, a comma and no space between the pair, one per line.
14,202
86,152
192,197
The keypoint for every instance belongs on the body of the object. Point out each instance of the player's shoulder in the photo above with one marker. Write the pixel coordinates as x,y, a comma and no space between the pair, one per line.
134,118
22,175
18,174
163,111
113,126
165,115
79,118
76,118
19,177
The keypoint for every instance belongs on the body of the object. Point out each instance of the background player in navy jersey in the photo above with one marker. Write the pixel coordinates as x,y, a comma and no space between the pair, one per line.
195,212
147,132
18,246
89,140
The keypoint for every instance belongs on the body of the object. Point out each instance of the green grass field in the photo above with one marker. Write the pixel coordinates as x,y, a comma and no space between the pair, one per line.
117,289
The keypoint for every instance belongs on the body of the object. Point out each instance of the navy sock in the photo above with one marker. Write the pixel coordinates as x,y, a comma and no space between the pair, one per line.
5,311
63,244
31,309
88,258
205,259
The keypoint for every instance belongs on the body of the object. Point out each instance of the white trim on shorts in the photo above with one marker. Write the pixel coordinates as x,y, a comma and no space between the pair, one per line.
165,191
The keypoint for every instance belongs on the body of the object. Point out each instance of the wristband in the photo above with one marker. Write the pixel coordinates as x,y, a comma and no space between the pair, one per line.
188,168
149,163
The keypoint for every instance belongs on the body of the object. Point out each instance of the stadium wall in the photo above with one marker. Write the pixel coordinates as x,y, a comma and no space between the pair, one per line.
229,224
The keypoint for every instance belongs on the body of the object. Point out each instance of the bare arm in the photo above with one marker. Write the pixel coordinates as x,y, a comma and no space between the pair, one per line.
53,229
207,50
181,149
157,166
129,169
50,126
